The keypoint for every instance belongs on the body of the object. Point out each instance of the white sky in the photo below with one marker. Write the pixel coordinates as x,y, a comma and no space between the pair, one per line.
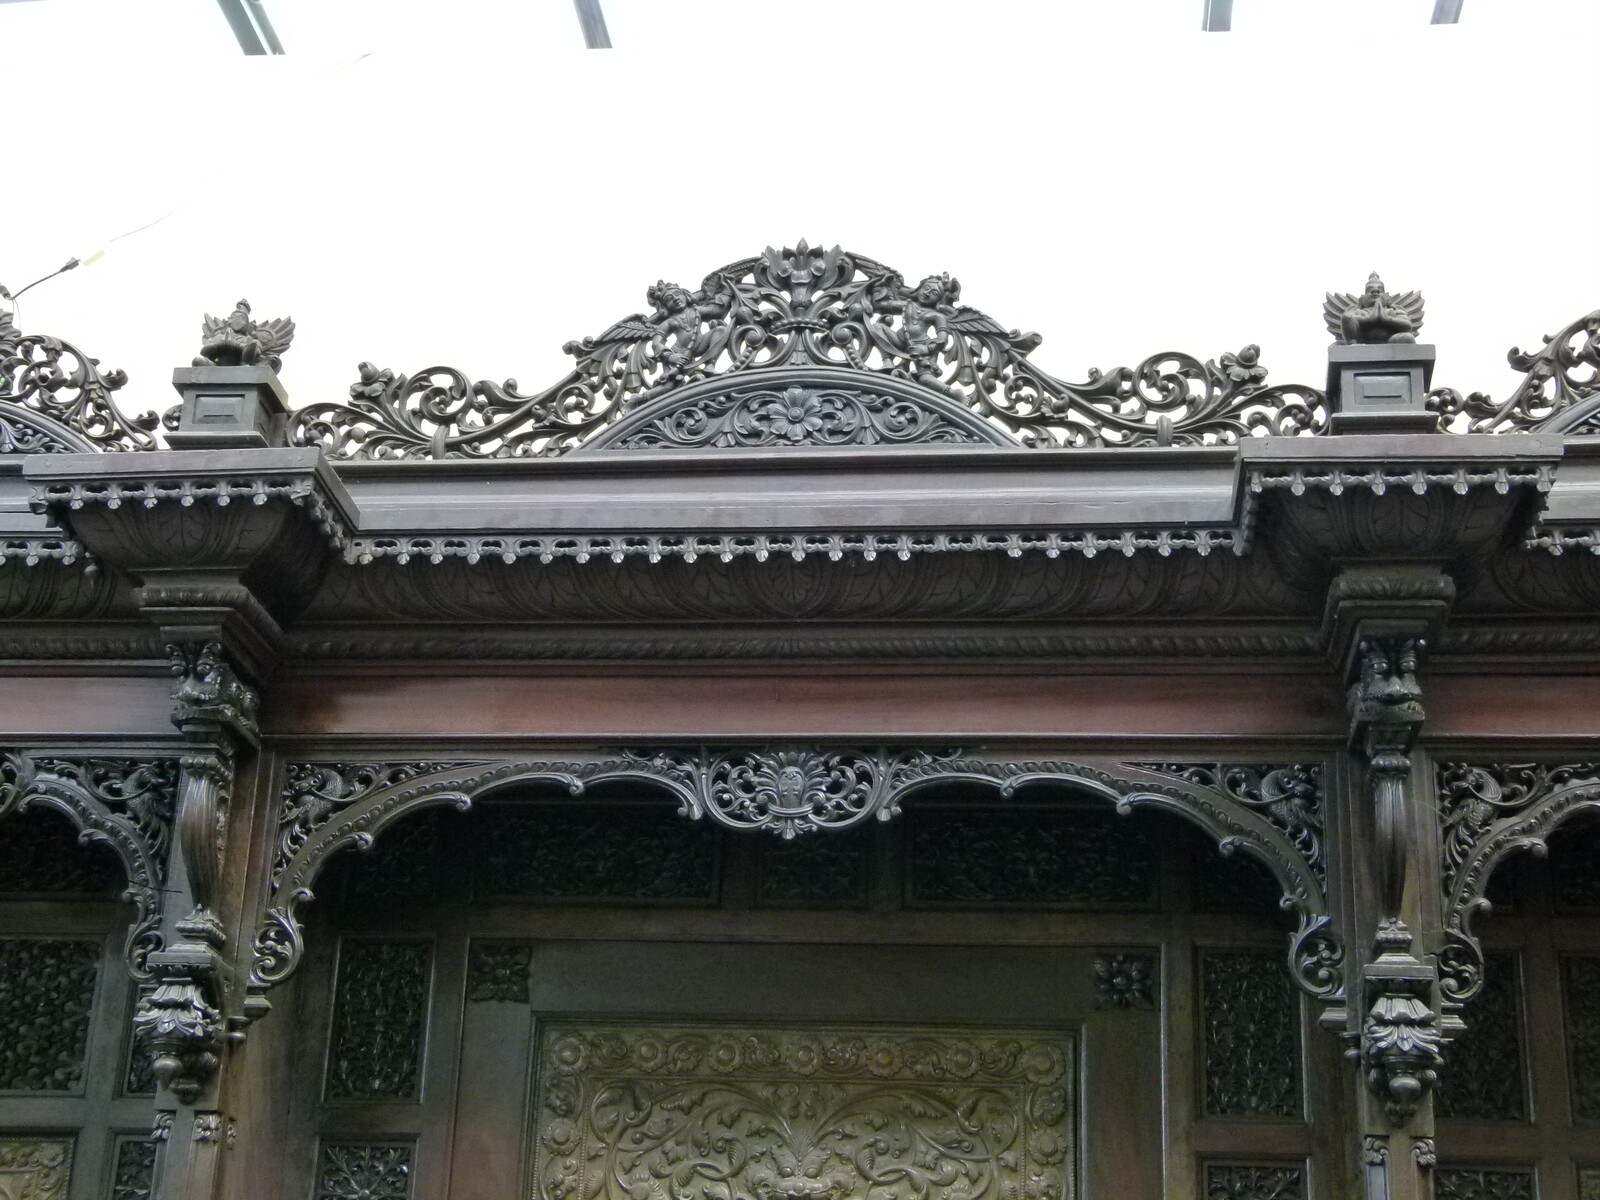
479,189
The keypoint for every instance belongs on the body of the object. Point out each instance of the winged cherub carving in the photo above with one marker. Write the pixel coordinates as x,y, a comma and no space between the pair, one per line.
929,314
1375,316
686,329
237,340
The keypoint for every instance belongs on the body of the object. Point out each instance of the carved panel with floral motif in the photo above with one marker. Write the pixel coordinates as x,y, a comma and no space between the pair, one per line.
803,1113
1484,1081
46,1003
1251,1018
1471,1183
1581,985
34,1168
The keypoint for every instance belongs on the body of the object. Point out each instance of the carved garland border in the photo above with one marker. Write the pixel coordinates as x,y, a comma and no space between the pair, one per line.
1272,812
1488,812
125,803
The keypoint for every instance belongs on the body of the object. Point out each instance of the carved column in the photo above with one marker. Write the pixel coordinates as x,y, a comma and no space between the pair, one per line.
1394,1026
181,1014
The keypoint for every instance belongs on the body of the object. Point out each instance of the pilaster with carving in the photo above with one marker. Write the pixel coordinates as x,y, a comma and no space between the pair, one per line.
181,1013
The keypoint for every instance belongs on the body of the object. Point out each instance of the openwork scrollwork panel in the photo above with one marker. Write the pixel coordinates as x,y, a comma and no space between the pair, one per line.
1271,812
960,374
126,804
1488,812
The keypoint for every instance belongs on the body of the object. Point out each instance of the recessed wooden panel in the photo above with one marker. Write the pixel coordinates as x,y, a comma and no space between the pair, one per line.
802,1112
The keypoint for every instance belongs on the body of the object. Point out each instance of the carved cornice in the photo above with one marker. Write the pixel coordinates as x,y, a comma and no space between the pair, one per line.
787,642
1271,812
654,547
1416,478
819,310
54,399
127,804
299,490
1489,811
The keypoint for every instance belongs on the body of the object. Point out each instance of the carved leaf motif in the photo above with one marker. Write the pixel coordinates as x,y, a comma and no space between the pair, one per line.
1244,1181
1560,382
1252,1036
499,972
364,1171
380,1009
134,1169
1460,1183
33,1168
797,1113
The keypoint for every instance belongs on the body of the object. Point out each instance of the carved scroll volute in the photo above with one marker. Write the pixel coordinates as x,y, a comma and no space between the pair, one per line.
1385,715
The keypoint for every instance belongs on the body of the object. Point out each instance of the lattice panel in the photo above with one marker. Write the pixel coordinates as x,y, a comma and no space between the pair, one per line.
1251,1016
46,1006
380,1016
1075,858
1485,1079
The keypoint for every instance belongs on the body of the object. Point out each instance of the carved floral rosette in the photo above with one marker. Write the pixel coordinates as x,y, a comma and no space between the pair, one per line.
1271,812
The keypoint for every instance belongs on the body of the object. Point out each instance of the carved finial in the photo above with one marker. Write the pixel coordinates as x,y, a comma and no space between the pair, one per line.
1375,316
238,340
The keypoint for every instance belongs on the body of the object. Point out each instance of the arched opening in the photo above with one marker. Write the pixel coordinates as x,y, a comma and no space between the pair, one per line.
74,1084
1522,1084
539,924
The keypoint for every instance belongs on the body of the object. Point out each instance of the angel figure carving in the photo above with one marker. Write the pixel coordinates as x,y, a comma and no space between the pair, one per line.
686,330
1374,317
929,315
237,340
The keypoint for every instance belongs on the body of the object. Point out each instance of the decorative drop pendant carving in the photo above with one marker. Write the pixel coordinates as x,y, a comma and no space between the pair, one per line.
804,1113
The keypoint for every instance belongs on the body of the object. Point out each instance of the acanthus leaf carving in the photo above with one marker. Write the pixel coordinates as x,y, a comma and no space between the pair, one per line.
1561,381
1401,1038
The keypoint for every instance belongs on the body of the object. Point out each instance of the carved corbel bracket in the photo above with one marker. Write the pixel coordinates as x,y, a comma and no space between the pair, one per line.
176,1016
1400,1036
224,545
1272,812
125,803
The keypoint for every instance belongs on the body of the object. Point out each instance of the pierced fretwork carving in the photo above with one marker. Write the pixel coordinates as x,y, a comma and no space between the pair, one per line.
1472,1183
593,854
380,1010
1580,987
1484,1079
45,377
840,326
1251,1018
134,1168
1249,1181
1078,857
1488,812
329,806
803,1113
814,872
126,804
364,1171
1561,381
47,988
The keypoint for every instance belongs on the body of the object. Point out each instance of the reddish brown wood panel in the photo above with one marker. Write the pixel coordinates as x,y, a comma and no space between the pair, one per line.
881,704
1513,705
62,705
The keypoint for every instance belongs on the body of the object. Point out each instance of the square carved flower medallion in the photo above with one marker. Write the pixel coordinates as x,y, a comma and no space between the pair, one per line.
802,1112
